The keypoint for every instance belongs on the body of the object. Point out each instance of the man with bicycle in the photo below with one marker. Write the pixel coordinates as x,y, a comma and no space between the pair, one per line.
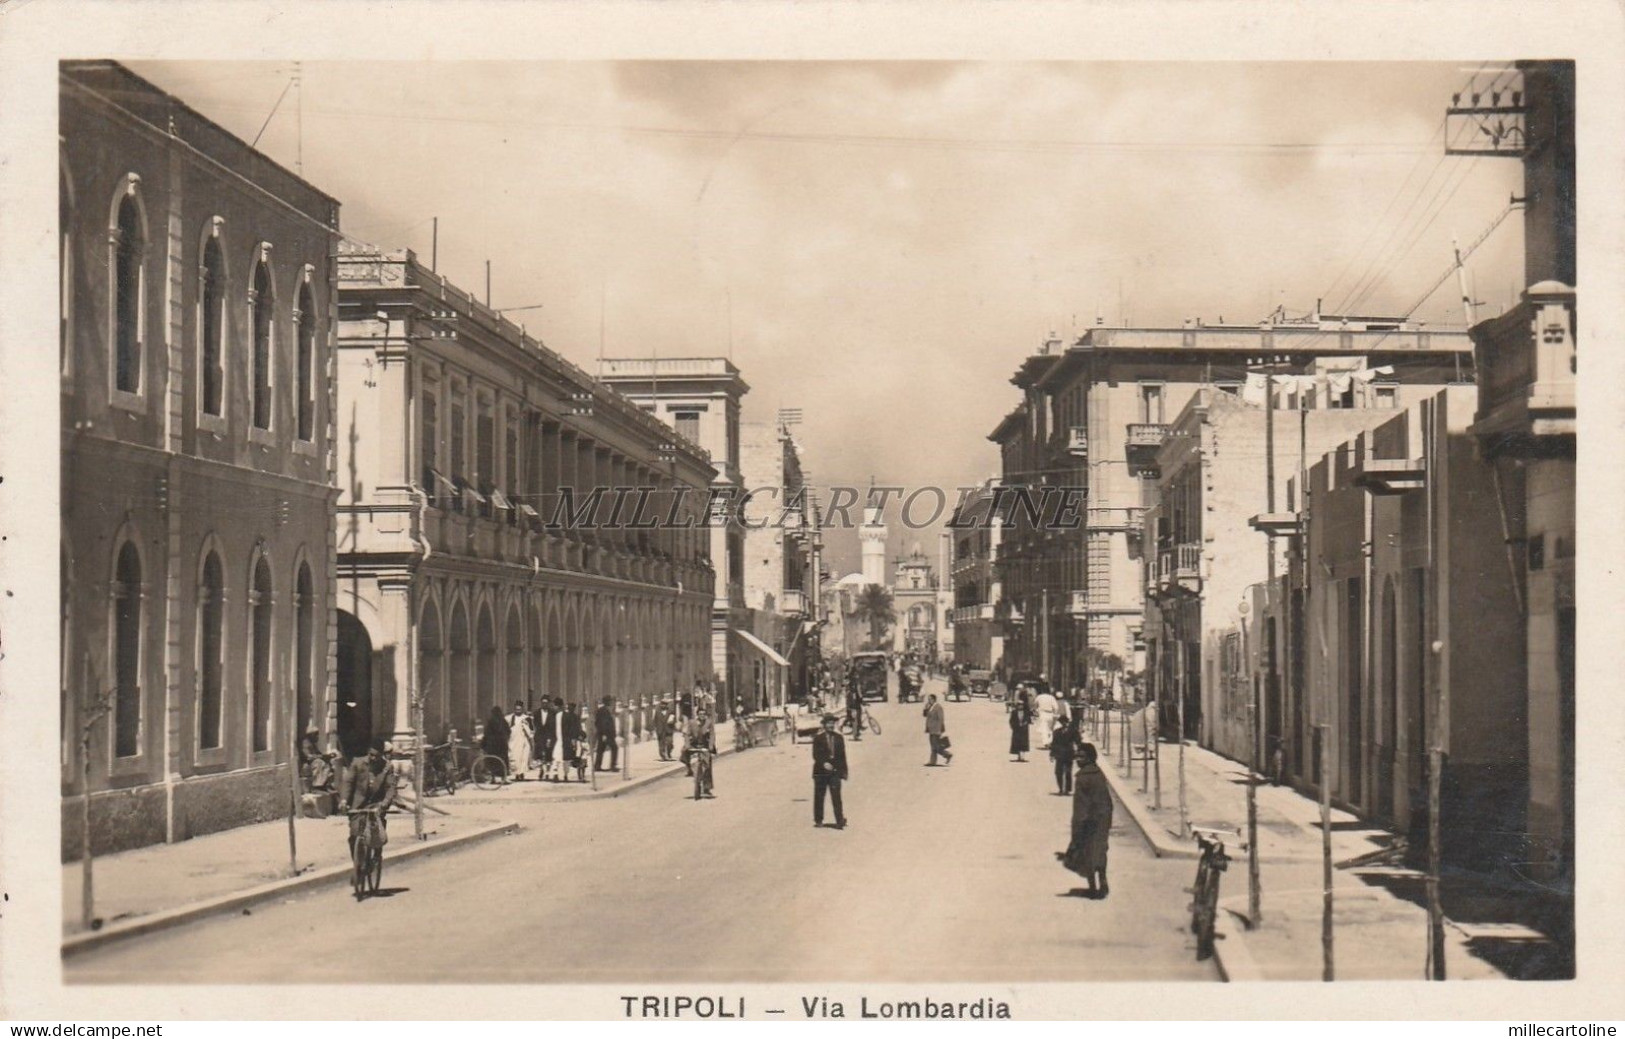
854,709
369,783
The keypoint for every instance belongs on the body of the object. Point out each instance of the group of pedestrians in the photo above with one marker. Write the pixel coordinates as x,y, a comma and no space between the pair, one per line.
1077,774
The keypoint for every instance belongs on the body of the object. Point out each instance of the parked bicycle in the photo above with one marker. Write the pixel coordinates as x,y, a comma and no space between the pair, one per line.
1205,893
367,854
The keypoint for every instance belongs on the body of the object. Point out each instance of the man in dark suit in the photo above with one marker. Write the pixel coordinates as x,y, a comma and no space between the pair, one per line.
604,728
829,771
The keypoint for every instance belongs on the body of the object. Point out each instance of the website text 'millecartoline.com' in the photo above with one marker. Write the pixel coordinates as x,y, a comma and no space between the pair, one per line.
653,508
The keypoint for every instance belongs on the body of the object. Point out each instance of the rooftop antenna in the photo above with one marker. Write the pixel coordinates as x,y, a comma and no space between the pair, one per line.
602,291
730,323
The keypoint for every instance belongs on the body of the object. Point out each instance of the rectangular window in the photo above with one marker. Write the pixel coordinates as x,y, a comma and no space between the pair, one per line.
688,424
485,433
1151,402
430,446
511,470
458,445
1385,396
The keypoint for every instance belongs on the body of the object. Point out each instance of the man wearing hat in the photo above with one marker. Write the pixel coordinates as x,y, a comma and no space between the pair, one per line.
368,782
829,771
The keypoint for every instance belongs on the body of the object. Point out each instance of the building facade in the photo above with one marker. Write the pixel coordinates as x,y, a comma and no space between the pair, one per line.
1094,417
700,398
976,532
914,599
197,467
1526,426
484,555
1201,554
781,552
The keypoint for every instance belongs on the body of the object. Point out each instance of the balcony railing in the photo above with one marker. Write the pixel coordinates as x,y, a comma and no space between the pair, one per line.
1078,603
1178,568
793,602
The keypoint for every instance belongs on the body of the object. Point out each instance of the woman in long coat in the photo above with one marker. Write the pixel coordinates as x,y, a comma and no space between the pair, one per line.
1091,823
521,741
1021,716
494,740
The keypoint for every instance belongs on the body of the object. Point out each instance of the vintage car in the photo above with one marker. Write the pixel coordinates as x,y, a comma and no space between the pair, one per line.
979,682
910,681
868,672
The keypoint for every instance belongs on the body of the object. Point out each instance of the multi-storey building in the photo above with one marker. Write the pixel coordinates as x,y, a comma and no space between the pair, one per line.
781,563
976,531
1096,415
1200,552
1526,426
484,553
700,398
914,598
197,466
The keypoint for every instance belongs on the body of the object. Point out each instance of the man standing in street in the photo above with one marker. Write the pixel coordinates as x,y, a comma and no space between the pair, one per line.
604,726
829,771
936,730
662,728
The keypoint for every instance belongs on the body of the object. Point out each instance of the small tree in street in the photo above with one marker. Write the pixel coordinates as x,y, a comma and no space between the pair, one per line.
874,607
94,705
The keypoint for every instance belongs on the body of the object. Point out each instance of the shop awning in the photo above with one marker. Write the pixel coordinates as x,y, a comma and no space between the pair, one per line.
767,651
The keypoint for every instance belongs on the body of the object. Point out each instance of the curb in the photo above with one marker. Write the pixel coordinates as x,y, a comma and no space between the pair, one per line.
1233,959
167,918
1155,834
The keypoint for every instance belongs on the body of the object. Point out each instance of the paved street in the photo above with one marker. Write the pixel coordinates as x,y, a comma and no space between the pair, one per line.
943,874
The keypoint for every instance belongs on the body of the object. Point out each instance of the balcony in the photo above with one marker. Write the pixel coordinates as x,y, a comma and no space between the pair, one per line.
1179,570
1145,440
1390,475
1526,362
1078,604
1077,442
1277,524
793,603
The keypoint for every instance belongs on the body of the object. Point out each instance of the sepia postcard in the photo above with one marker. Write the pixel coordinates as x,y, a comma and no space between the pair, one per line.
810,512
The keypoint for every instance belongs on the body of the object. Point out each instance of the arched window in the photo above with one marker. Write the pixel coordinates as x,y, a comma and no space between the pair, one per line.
211,325
127,653
64,291
211,594
129,290
304,648
260,305
259,675
304,327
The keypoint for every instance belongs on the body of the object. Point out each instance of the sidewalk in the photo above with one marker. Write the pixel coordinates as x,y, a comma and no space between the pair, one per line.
1379,920
165,885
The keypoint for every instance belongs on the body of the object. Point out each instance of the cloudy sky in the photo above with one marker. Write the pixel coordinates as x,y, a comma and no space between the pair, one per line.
881,243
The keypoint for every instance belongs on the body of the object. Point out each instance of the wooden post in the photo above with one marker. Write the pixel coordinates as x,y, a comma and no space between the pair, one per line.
1323,731
292,716
1179,662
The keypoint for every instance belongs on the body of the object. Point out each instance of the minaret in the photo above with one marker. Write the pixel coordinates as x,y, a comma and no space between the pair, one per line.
872,535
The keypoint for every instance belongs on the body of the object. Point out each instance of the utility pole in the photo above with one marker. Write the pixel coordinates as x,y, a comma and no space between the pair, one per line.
1179,662
488,283
1267,367
434,245
1323,730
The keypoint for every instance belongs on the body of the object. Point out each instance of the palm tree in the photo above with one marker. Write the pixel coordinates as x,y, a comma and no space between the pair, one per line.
874,607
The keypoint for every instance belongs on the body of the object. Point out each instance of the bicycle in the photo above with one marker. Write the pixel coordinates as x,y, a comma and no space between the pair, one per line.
1205,893
701,759
440,769
488,772
870,722
367,853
